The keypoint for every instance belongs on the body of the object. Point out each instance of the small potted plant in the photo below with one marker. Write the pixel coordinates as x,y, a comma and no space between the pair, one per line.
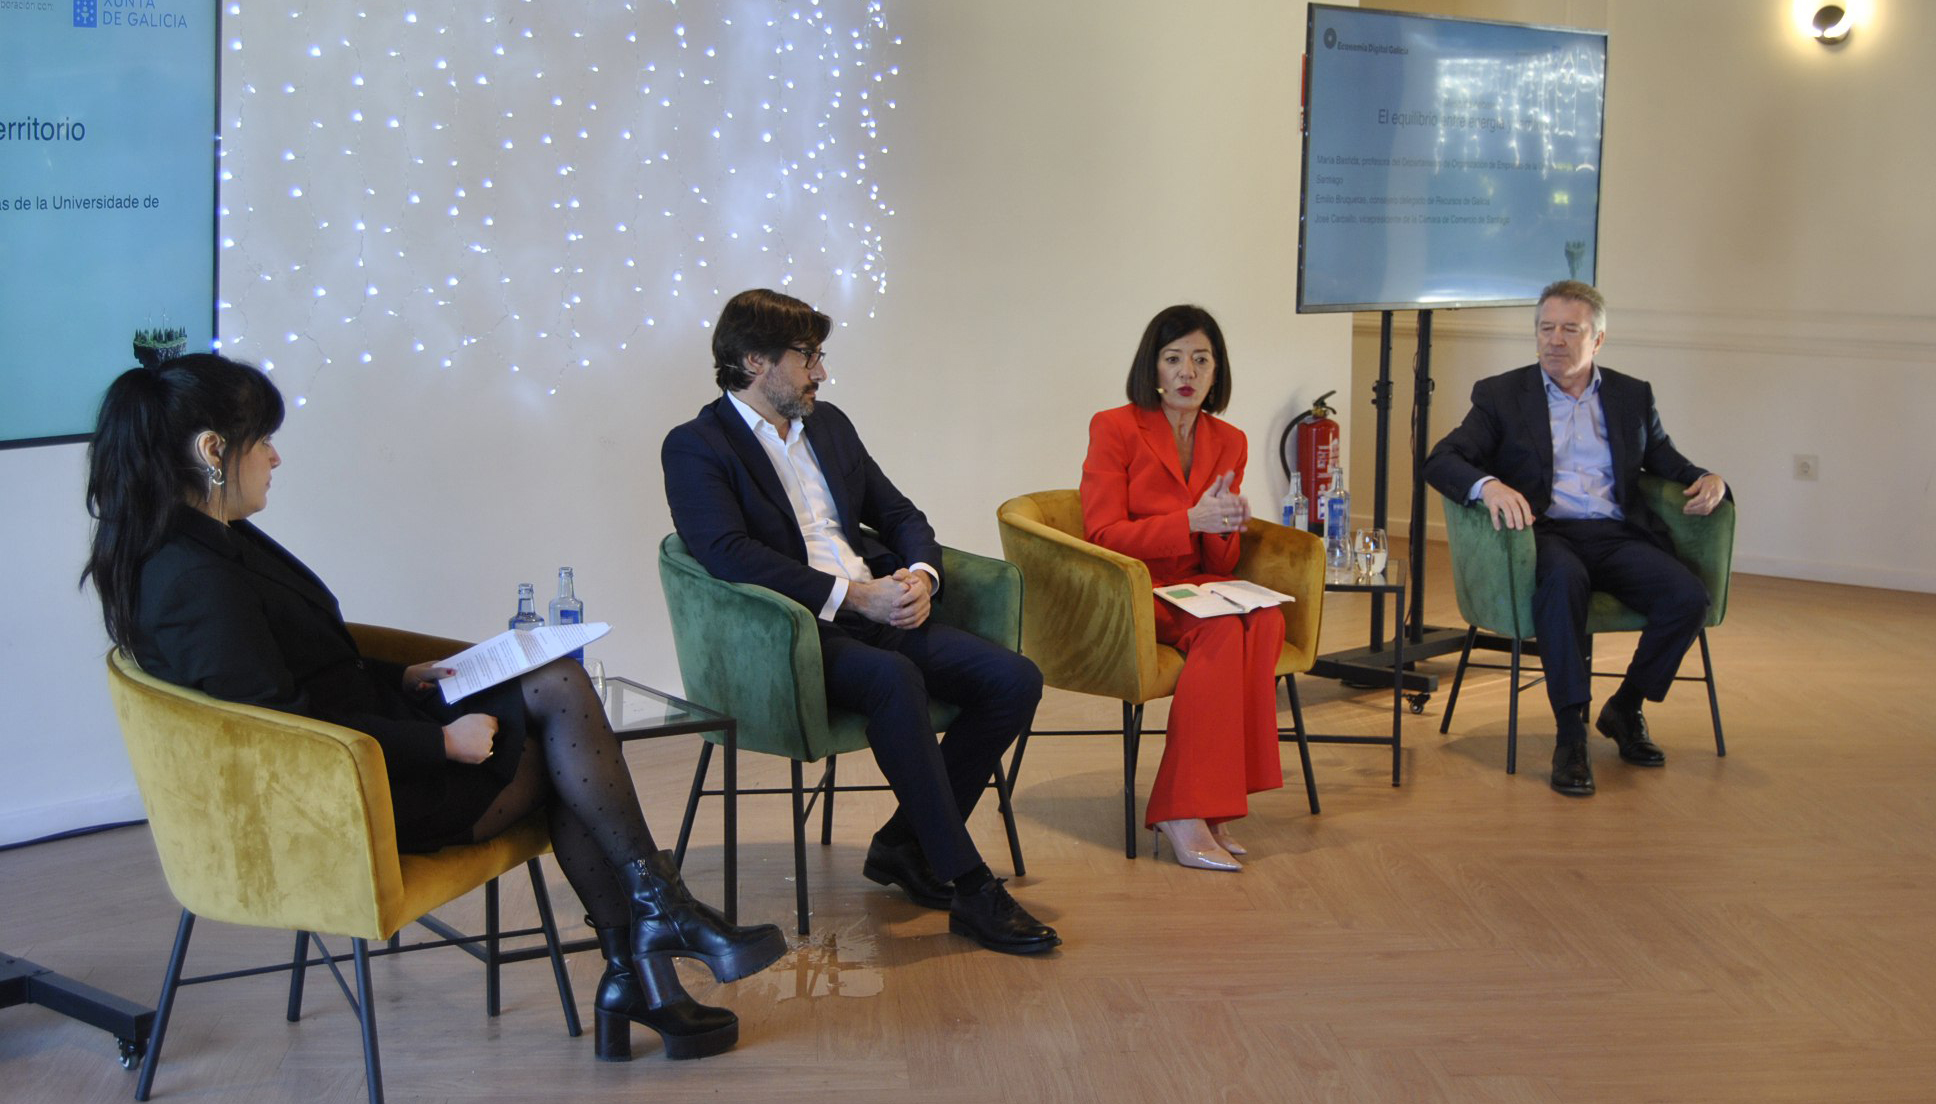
151,347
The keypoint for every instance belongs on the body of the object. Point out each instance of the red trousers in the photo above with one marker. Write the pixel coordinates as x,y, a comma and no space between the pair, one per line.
1222,744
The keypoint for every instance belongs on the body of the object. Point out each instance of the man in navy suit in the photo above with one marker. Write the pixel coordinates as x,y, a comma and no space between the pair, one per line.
770,486
1559,446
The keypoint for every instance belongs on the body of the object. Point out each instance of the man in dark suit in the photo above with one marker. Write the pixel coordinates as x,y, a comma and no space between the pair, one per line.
769,486
1559,446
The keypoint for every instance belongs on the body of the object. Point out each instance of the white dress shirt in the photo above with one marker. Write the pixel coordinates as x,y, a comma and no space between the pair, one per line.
813,506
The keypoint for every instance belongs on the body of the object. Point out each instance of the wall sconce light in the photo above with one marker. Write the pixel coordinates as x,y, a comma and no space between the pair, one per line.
1831,24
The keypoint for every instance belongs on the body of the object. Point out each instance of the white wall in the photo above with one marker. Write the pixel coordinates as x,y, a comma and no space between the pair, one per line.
1056,174
65,766
1764,238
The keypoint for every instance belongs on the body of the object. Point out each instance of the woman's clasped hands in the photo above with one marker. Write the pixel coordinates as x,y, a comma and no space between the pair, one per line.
1220,510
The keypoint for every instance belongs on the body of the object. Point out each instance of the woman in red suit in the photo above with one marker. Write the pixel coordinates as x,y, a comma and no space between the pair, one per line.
1161,483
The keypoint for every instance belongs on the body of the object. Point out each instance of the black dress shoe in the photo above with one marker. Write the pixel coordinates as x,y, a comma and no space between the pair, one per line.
1628,728
1572,772
992,918
904,865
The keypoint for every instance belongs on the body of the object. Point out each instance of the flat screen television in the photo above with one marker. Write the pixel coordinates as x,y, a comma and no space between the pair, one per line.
108,131
1447,162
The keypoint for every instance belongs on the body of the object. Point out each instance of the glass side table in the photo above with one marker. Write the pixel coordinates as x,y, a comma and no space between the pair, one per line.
639,712
1389,582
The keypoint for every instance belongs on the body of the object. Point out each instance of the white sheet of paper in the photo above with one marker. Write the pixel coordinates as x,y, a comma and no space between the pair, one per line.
511,653
1252,595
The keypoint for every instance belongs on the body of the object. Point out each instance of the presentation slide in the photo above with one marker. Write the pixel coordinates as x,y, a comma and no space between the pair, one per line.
107,200
1447,162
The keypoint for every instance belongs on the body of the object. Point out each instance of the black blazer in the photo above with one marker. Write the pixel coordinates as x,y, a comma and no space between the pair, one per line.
730,509
1508,435
227,611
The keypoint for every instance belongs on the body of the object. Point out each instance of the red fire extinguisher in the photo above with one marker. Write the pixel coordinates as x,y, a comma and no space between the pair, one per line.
1315,450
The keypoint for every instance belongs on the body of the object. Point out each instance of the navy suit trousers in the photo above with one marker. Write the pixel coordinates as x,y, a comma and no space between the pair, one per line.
888,675
1578,557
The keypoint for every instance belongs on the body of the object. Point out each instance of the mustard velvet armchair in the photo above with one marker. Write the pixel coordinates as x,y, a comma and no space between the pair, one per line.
274,820
754,654
1088,619
1492,577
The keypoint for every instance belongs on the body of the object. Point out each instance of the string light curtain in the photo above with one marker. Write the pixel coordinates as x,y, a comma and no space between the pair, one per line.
511,186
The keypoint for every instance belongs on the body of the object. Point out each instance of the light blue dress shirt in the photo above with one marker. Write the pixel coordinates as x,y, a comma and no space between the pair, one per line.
1582,458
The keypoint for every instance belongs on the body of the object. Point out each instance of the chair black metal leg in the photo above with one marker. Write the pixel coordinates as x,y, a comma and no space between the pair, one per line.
1399,635
827,804
1586,661
366,1015
363,998
550,925
1132,742
1458,680
799,848
1005,797
729,818
1015,760
492,948
1512,715
298,970
169,983
1303,746
1713,698
692,802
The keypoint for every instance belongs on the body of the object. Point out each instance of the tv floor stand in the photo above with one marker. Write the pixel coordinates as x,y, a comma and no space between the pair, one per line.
1371,666
23,982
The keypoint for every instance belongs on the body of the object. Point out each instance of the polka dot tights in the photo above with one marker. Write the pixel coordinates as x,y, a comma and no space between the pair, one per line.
573,767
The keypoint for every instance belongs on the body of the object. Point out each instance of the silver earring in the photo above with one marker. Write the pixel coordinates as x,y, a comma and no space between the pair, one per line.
216,477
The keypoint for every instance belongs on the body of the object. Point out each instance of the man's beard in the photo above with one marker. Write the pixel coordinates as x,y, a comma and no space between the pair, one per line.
797,404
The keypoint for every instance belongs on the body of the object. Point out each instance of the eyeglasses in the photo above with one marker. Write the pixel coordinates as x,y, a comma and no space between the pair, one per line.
814,356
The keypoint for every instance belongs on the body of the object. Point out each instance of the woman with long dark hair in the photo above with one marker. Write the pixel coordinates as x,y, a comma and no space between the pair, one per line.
1162,482
181,458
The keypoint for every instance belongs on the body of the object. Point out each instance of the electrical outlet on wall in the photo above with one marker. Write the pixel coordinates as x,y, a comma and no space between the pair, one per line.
1806,468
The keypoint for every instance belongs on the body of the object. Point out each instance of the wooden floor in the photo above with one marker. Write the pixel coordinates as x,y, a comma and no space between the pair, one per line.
1754,928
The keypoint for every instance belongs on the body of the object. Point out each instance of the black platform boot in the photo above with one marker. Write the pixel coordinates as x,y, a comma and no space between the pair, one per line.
666,921
657,1000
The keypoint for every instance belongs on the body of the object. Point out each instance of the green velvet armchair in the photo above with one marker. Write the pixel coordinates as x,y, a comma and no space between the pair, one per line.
275,820
754,654
1088,619
1492,577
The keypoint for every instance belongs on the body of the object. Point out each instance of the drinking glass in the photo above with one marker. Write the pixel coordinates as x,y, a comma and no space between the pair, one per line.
1369,552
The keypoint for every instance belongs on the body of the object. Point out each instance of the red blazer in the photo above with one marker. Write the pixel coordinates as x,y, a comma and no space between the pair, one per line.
1135,500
